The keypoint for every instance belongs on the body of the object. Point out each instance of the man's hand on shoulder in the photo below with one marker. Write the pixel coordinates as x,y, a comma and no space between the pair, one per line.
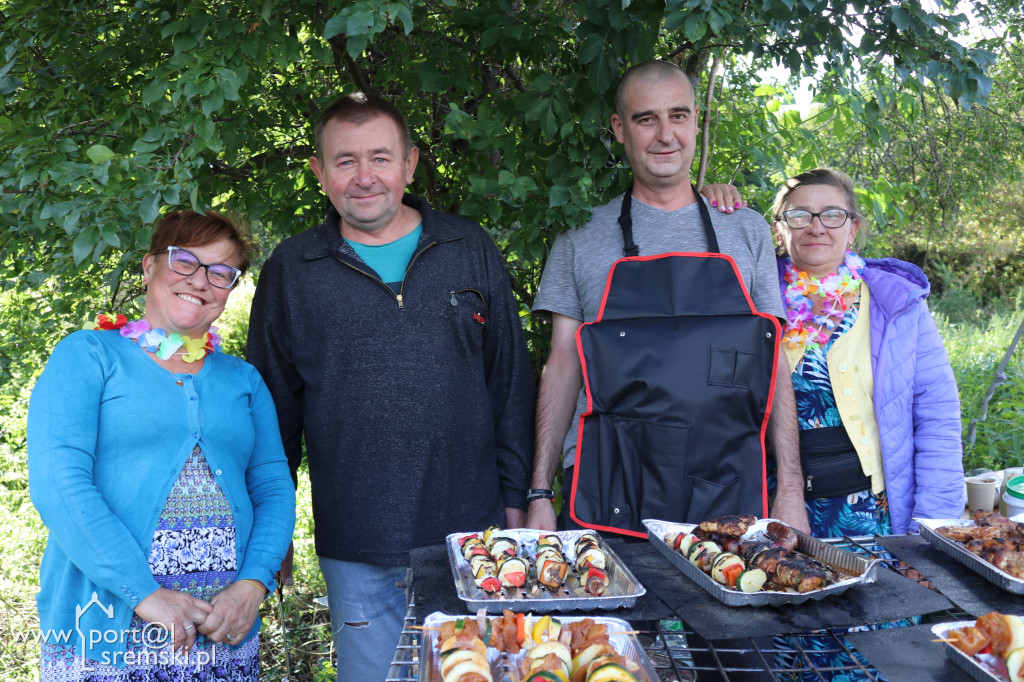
725,198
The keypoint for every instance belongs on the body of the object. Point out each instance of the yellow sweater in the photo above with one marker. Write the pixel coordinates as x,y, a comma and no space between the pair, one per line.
849,368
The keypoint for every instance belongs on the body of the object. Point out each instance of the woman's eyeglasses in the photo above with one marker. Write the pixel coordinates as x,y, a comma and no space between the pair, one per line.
184,262
798,218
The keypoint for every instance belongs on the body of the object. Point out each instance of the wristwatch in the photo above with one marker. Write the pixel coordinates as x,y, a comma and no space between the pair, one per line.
539,494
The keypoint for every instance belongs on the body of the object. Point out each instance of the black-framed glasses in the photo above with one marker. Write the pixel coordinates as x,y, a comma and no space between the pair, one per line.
798,218
184,262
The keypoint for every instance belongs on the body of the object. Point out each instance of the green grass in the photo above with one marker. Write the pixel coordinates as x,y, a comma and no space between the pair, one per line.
976,338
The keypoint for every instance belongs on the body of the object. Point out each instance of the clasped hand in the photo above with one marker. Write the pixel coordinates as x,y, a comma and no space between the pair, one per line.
225,618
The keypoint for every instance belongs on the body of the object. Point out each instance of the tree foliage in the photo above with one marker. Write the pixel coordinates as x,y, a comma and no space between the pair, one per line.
114,110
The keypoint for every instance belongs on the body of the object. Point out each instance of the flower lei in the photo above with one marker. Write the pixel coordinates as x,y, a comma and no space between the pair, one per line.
157,341
798,331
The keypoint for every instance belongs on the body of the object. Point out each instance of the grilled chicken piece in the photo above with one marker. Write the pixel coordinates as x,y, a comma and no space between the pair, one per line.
977,545
1005,560
968,533
1010,528
729,524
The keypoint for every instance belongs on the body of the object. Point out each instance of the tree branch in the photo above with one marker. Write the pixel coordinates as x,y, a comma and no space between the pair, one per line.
709,95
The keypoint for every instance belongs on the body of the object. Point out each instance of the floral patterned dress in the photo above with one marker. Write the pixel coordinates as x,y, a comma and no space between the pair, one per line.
860,513
193,551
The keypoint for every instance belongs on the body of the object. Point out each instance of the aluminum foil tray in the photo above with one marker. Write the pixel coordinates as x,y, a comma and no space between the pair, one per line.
622,592
860,569
929,531
619,630
981,667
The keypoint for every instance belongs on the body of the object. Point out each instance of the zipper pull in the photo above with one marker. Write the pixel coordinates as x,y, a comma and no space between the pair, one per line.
809,485
400,302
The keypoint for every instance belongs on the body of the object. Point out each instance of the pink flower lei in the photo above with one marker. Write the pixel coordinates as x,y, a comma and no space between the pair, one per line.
157,340
799,330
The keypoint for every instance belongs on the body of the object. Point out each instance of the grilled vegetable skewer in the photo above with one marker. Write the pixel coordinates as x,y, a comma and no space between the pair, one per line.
591,564
483,567
551,564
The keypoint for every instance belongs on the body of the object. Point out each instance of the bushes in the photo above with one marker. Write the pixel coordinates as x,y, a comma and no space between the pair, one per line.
977,339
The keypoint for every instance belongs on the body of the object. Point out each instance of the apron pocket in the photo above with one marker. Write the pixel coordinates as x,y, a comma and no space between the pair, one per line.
638,472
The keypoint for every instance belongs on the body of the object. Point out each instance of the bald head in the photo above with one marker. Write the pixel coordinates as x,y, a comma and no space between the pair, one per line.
656,122
648,73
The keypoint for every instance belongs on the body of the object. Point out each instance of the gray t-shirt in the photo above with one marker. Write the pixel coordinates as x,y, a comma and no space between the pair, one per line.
577,269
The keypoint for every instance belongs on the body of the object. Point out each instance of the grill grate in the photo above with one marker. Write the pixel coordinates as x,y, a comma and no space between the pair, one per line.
680,655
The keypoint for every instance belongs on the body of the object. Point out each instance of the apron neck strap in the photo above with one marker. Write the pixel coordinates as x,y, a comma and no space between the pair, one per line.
626,223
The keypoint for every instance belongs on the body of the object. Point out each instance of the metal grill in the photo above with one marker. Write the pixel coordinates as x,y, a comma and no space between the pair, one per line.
680,655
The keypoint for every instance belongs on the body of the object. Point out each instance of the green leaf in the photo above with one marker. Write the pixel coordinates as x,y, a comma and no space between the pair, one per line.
204,128
716,20
674,18
84,244
360,23
405,16
335,24
901,18
229,82
57,210
356,45
593,46
154,91
99,153
213,103
694,27
149,209
108,233
601,72
432,78
559,195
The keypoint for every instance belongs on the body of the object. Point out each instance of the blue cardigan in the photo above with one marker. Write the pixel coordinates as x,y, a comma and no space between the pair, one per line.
109,431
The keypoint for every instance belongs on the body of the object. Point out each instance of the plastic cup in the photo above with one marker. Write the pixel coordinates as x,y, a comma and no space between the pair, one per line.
981,493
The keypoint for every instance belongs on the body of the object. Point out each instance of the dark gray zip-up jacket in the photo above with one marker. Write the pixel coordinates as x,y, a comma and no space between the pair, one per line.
417,407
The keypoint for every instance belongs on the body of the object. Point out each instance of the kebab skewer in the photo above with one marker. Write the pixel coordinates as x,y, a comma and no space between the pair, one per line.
591,564
581,651
512,569
552,566
999,634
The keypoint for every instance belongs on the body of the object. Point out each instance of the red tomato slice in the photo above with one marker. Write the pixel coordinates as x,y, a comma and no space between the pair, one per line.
731,573
516,579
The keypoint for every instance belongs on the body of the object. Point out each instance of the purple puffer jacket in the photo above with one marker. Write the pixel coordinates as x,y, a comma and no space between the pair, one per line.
917,406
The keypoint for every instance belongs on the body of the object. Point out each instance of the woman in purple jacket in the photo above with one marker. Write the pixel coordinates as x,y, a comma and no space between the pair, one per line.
877,402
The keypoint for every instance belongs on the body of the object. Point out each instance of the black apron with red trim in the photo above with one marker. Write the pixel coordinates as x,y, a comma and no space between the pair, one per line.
679,371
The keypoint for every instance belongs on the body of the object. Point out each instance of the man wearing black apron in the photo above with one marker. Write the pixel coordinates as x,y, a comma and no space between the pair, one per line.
656,121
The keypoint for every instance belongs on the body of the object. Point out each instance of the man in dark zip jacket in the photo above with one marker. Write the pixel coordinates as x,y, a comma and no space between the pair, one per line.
390,338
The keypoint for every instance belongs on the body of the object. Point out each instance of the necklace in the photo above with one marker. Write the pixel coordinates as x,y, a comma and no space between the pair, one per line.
800,316
157,340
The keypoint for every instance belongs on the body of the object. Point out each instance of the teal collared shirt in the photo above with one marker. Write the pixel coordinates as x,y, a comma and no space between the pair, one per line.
391,260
